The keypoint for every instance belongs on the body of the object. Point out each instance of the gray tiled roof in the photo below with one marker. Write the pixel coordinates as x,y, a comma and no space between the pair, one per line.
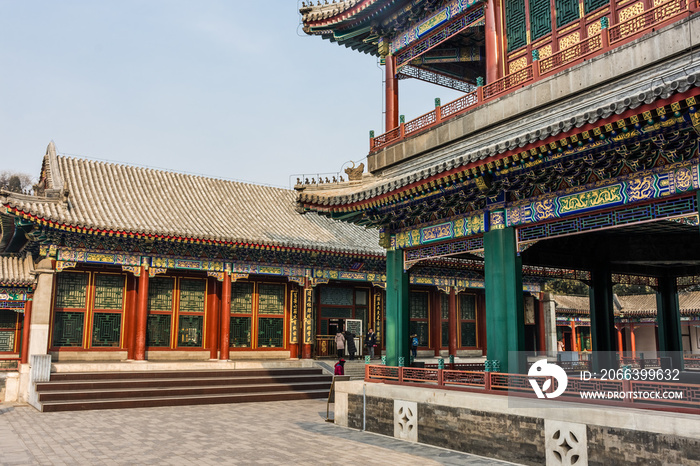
16,271
642,305
108,196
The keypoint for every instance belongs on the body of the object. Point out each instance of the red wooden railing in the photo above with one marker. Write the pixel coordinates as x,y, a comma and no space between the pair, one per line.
519,384
616,34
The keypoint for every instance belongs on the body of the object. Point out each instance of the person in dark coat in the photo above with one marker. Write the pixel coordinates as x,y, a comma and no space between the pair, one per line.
371,342
350,341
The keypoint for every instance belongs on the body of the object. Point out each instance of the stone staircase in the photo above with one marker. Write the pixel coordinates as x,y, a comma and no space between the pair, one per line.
72,391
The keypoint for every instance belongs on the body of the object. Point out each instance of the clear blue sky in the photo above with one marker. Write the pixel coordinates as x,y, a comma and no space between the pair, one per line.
224,88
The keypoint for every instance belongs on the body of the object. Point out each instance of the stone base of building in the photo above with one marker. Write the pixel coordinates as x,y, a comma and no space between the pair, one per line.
544,432
164,355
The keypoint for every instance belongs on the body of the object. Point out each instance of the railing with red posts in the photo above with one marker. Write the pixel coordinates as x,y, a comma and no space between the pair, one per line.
421,122
9,364
647,20
508,82
457,106
691,362
618,32
385,139
571,54
498,383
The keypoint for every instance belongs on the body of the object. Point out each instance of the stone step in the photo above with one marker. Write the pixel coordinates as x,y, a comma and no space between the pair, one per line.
164,380
96,394
147,402
127,389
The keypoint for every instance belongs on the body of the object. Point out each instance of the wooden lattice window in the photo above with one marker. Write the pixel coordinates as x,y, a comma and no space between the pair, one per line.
467,320
190,321
9,326
242,298
160,294
160,308
271,299
516,26
540,18
241,310
192,295
567,11
109,291
592,5
271,303
418,310
71,290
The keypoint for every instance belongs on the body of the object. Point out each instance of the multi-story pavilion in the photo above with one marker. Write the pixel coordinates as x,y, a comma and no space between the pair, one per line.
575,147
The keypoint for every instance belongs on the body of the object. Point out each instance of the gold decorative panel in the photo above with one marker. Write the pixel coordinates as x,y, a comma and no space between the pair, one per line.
545,51
593,29
517,65
569,41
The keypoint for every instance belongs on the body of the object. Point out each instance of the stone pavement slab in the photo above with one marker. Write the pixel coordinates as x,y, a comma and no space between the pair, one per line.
283,432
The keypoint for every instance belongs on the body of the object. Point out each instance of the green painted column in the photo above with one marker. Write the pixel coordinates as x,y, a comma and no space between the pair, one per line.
505,330
603,333
396,309
668,318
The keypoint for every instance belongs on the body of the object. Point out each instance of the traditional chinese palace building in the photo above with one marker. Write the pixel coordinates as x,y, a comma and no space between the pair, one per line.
126,263
575,147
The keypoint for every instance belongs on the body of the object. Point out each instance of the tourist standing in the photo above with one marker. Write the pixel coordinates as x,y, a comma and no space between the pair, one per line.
371,342
350,341
340,344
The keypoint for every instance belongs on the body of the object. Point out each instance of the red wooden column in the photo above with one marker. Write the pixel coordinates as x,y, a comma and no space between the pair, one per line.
130,337
213,308
632,342
453,321
225,339
541,343
493,42
391,94
574,343
141,316
26,324
619,340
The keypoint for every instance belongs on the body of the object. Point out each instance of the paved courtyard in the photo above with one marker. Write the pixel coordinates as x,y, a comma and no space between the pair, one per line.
289,432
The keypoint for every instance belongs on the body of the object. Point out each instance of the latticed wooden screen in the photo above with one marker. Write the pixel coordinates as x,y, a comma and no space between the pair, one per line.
418,313
567,11
106,329
190,331
193,295
160,294
467,307
109,291
418,305
8,327
68,329
467,315
242,298
271,299
158,330
71,290
270,332
592,5
336,296
239,332
540,18
516,27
